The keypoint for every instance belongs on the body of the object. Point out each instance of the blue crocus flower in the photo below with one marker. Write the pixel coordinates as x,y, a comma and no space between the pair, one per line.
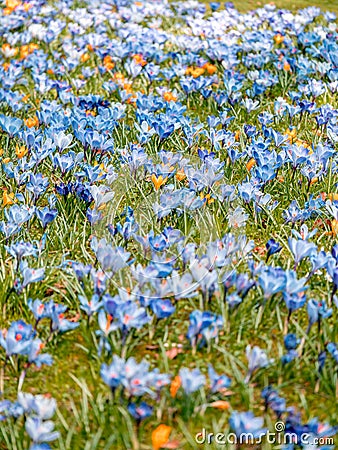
112,374
317,310
42,446
293,295
245,422
233,300
304,233
10,409
320,431
229,279
141,411
294,301
272,247
333,350
158,243
19,214
11,125
291,341
321,361
243,285
93,215
80,270
110,303
110,258
318,261
271,281
43,310
41,405
218,382
162,308
17,339
274,401
62,140
21,249
192,380
138,380
60,323
41,431
37,185
46,215
257,359
90,306
289,356
301,249
36,357
334,252
203,324
29,276
130,315
214,6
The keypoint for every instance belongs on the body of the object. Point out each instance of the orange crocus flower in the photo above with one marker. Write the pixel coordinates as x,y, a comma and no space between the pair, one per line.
158,181
160,436
7,199
32,122
278,38
250,164
180,175
175,385
21,151
85,57
169,97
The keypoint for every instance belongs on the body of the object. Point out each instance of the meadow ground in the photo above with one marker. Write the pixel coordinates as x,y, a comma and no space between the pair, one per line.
247,5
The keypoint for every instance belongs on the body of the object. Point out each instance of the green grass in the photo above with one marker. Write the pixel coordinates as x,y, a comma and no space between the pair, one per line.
293,5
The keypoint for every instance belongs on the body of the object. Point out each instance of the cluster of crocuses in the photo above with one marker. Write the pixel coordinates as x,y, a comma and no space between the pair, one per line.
168,176
36,410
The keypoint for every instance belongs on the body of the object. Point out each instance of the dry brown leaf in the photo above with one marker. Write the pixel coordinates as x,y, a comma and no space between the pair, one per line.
173,352
220,404
172,444
151,347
